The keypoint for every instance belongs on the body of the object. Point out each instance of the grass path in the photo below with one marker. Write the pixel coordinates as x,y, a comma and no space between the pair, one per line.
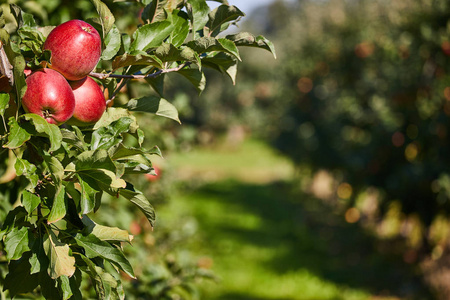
268,241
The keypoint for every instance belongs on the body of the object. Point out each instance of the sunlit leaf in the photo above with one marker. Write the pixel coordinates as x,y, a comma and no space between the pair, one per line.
61,263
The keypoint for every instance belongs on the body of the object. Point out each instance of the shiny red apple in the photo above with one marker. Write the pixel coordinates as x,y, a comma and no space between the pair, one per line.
76,49
49,95
90,103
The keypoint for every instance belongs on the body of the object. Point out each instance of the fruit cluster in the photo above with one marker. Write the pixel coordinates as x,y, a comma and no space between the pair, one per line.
64,92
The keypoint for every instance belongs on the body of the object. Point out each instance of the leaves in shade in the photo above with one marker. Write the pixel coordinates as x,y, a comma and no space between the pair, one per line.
180,23
249,40
157,10
224,63
156,105
106,286
94,247
106,17
61,263
16,243
168,52
108,136
19,279
196,77
137,198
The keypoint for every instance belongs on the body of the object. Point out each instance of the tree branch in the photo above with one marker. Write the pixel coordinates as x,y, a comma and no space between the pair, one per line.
134,76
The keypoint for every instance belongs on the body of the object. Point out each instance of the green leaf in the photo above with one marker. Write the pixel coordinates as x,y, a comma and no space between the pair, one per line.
180,32
106,17
64,286
221,15
113,41
156,105
156,10
87,200
126,60
123,152
59,206
94,159
4,103
210,44
137,198
100,179
24,167
16,243
30,201
113,114
224,63
196,77
157,83
198,11
73,139
38,259
105,233
46,129
17,135
168,52
249,40
151,35
61,263
56,169
19,279
107,137
94,247
106,286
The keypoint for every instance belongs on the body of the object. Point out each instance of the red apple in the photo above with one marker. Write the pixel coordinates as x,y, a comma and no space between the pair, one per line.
75,47
90,103
49,95
156,177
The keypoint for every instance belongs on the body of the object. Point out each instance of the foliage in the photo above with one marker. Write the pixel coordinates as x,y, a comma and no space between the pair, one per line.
55,178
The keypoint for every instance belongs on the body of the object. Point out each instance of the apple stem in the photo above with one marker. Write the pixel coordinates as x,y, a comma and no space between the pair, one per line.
134,76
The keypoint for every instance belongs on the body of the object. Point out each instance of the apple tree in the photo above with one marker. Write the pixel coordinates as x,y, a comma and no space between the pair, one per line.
54,174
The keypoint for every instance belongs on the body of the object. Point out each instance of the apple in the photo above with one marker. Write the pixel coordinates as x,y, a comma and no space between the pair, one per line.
90,103
49,95
75,47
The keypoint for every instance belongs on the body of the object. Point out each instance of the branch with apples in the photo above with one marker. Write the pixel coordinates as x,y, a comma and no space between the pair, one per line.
63,141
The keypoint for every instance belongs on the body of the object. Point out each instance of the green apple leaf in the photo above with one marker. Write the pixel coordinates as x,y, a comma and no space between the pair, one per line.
210,44
126,60
113,114
137,198
94,247
249,40
17,135
113,41
106,17
168,52
30,201
4,103
156,105
45,129
180,23
196,77
101,179
109,136
59,206
106,286
223,63
24,167
19,279
157,83
105,233
157,10
94,159
64,286
198,11
61,263
150,36
220,16
123,152
16,243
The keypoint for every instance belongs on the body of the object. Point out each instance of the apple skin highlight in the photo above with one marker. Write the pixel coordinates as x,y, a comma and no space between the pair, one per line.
76,49
49,95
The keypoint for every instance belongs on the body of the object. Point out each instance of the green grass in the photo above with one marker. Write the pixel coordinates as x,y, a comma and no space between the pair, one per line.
269,241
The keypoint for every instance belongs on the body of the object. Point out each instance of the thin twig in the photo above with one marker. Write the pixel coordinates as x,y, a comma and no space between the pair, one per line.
134,76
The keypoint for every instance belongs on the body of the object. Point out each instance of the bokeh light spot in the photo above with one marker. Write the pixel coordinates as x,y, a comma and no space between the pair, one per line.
344,190
305,85
352,215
